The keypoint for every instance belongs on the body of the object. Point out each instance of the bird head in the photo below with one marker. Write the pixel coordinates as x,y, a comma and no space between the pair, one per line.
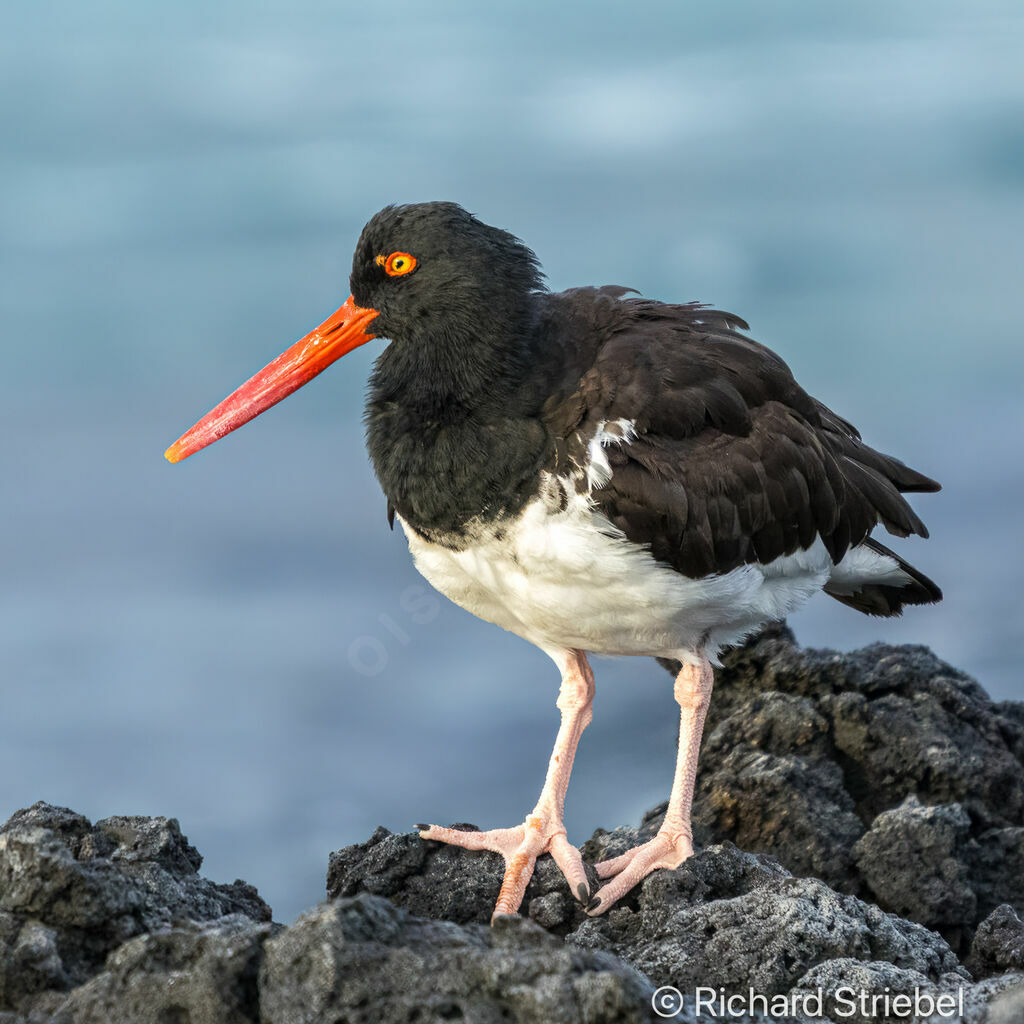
433,269
421,273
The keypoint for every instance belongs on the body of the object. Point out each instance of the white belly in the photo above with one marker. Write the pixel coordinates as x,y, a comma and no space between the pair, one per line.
567,578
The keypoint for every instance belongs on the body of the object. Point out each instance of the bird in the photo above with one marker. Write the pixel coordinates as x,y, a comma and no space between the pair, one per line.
600,473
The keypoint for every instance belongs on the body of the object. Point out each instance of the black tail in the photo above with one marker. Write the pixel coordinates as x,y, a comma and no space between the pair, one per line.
889,598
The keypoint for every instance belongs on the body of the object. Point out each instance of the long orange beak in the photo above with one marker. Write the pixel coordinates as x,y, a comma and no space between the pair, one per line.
340,333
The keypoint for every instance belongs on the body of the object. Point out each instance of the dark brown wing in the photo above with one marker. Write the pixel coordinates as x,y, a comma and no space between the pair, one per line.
732,462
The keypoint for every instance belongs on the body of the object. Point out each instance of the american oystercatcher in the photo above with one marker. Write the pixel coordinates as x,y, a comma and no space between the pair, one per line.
596,472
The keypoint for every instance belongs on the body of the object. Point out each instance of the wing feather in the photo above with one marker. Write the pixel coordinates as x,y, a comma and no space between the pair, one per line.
729,460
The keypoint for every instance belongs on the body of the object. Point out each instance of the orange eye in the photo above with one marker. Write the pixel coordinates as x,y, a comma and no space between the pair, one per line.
397,264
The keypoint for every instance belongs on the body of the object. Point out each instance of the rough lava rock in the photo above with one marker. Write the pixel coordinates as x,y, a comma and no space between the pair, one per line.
860,828
885,772
913,858
364,960
998,944
72,892
732,919
189,972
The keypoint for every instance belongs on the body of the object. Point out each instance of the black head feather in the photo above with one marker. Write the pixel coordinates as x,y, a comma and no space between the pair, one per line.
468,274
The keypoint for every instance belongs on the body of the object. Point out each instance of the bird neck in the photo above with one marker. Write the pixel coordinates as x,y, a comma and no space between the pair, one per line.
461,364
452,423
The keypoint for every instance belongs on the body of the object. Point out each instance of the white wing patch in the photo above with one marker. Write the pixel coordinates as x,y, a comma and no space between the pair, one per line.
599,470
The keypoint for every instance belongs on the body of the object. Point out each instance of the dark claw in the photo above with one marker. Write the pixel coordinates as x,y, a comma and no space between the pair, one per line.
422,828
593,904
583,894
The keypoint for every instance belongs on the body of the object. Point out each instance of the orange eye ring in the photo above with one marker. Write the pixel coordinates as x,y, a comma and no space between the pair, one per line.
397,264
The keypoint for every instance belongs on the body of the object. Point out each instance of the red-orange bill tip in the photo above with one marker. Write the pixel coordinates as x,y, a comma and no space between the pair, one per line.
343,331
175,453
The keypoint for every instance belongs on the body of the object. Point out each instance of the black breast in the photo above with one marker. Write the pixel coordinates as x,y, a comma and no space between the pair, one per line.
454,431
442,473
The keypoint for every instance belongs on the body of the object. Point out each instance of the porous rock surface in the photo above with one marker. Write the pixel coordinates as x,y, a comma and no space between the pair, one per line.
886,773
860,828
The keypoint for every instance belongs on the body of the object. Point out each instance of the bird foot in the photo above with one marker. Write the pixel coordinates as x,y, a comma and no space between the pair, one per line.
520,847
668,849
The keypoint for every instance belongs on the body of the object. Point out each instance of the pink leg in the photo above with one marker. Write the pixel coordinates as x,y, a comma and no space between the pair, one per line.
674,841
543,831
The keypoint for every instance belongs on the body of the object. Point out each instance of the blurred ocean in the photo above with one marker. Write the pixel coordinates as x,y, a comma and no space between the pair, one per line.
239,641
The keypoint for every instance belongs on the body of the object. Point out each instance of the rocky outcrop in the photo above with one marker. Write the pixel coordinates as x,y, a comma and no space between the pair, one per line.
998,944
72,893
860,821
364,960
886,773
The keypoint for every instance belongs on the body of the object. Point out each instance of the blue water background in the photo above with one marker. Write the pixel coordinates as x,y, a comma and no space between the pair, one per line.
239,641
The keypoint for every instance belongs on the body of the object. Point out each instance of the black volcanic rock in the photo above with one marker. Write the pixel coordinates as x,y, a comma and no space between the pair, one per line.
877,800
789,806
915,860
364,960
730,919
998,944
885,772
437,881
724,918
190,972
72,892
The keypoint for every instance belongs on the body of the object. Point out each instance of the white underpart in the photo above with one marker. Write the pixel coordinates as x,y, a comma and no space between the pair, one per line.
562,576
